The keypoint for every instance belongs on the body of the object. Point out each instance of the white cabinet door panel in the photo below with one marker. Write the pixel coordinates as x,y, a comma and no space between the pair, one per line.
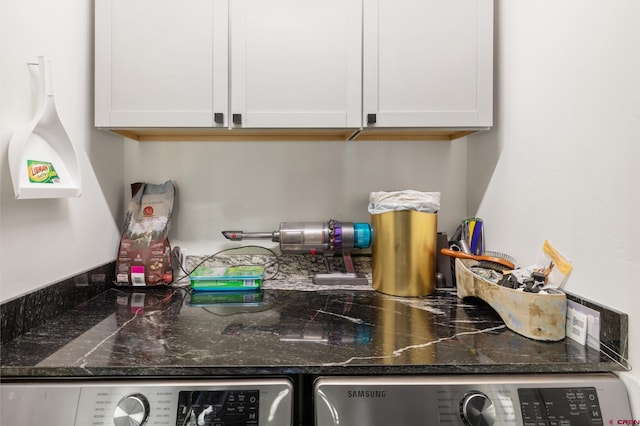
428,63
155,62
296,63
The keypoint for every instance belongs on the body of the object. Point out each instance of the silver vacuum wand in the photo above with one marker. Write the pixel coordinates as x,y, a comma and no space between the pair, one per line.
324,238
312,237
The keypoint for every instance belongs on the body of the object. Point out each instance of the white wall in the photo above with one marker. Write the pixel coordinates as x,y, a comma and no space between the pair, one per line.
253,186
43,241
562,160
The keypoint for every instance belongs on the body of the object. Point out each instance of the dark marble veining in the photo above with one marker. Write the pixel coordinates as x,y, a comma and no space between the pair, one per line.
170,332
22,314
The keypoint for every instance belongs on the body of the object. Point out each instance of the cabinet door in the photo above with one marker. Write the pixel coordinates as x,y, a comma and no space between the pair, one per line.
296,63
428,63
161,63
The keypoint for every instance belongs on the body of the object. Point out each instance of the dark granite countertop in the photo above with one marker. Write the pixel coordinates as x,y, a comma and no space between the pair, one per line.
166,332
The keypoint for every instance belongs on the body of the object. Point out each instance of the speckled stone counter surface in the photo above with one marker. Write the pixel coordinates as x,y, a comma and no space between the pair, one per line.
292,327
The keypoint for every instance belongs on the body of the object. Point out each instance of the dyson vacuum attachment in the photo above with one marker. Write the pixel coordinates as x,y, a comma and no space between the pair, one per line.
323,238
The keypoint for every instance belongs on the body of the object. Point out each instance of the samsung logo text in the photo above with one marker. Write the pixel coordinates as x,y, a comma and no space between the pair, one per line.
366,394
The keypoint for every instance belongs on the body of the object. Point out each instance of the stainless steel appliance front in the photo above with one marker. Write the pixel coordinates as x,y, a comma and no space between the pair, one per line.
258,402
523,400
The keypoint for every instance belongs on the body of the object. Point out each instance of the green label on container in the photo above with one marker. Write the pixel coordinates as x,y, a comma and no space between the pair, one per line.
42,172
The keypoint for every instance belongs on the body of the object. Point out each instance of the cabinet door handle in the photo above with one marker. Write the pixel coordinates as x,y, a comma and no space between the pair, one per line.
237,118
218,118
371,119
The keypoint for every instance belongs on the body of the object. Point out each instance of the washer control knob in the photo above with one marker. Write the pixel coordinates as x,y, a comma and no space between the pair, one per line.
476,409
132,410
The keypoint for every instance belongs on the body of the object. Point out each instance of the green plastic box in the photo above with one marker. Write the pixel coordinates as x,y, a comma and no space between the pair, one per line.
227,278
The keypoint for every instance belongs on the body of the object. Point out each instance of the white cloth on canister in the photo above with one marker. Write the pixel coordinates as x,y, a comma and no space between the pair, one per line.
382,202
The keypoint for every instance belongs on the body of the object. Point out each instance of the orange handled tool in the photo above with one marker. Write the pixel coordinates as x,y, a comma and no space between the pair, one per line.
486,257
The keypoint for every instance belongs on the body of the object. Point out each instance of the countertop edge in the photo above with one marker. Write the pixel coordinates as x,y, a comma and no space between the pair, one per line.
24,373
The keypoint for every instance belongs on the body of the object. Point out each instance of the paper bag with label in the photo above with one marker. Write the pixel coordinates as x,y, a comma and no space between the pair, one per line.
144,256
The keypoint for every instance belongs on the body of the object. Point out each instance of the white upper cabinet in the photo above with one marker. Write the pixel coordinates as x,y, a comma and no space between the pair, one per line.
296,63
161,63
164,63
428,63
187,67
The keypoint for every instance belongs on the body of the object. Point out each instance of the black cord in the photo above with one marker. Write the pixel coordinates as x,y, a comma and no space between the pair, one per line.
275,261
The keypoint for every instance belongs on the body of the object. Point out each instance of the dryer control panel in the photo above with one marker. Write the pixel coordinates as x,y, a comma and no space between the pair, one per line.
232,402
517,400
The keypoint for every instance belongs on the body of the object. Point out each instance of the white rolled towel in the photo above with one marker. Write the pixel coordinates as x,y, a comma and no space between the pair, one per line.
382,202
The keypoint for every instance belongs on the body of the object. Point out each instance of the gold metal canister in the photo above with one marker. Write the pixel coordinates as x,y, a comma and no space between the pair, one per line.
404,252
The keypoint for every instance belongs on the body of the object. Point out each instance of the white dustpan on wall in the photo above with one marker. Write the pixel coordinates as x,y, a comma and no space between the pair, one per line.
42,159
